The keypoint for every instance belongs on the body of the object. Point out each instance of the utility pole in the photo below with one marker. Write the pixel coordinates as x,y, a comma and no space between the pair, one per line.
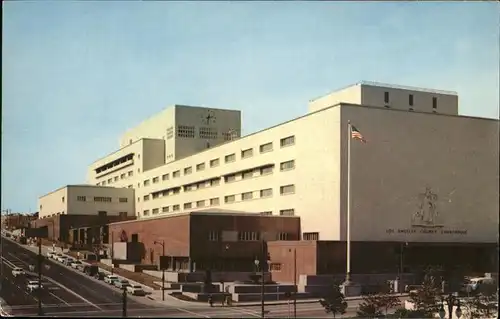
40,257
162,243
262,280
112,251
124,297
295,282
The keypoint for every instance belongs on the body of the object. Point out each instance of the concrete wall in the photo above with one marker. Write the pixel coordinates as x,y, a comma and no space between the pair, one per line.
350,94
54,203
455,158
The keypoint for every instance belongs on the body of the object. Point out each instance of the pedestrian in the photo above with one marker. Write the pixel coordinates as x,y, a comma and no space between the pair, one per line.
210,300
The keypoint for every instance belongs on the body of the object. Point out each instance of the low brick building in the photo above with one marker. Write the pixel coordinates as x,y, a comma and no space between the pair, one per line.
16,221
90,228
216,240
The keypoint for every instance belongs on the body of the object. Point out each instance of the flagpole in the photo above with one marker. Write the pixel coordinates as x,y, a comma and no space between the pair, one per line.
348,239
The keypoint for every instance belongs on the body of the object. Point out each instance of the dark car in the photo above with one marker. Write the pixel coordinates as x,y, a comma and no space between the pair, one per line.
91,270
100,275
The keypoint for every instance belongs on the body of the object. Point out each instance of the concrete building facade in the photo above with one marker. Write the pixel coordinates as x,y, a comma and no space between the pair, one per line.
87,200
425,175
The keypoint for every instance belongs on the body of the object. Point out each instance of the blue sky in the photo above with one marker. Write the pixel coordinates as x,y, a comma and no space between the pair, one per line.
76,75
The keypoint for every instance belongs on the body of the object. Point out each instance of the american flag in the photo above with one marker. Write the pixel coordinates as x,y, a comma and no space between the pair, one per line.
356,134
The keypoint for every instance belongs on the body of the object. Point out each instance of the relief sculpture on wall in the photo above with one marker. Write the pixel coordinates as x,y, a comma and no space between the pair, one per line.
427,214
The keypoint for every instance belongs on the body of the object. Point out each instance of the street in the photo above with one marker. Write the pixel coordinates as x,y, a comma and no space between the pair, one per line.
69,293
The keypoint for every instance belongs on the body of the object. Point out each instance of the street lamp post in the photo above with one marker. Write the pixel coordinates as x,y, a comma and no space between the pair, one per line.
112,250
162,243
40,261
257,263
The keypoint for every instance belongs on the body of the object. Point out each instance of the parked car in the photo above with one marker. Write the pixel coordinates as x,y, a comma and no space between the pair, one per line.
18,272
99,275
33,285
110,279
75,264
69,261
90,270
62,259
136,290
121,283
80,267
56,255
50,254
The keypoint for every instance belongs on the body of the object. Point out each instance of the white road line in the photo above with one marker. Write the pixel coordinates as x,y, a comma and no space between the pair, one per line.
62,286
58,298
192,313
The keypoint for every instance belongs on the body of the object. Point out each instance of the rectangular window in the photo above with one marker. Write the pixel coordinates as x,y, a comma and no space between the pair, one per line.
310,236
215,162
275,267
164,193
214,201
176,190
287,141
101,214
116,178
247,196
164,177
230,158
230,178
268,192
155,195
146,197
122,176
410,99
102,199
81,198
215,182
229,199
187,205
268,213
200,167
130,173
176,208
176,174
266,170
288,165
268,147
188,170
213,236
283,236
200,203
386,97
156,180
287,189
247,175
103,183
156,211
248,236
287,212
146,212
434,102
146,182
123,199
164,209
130,186
247,153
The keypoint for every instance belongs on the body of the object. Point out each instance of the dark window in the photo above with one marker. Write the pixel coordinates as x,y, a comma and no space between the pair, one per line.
410,99
386,97
103,214
434,102
135,238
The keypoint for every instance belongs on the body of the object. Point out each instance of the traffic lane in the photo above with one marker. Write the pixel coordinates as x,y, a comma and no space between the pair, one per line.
85,287
90,289
79,283
13,290
131,312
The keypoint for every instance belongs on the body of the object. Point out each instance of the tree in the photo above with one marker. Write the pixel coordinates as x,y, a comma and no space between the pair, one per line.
376,305
335,302
426,298
482,306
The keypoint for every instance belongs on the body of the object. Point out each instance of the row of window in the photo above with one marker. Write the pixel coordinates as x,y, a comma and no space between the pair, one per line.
230,158
206,203
410,100
101,199
114,163
263,193
244,236
116,178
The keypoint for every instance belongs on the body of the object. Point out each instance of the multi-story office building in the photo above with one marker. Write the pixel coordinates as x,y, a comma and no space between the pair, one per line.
423,166
87,200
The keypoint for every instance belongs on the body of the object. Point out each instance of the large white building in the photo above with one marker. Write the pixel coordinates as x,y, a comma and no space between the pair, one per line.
425,174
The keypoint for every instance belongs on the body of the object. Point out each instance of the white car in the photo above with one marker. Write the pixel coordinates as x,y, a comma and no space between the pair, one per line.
68,261
110,279
50,254
136,290
75,264
56,255
18,272
33,285
61,259
121,283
